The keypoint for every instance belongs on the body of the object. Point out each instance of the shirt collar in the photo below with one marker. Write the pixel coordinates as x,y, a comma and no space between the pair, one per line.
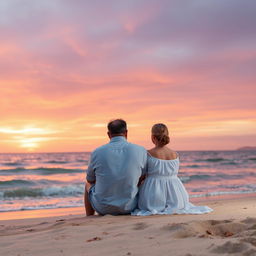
117,139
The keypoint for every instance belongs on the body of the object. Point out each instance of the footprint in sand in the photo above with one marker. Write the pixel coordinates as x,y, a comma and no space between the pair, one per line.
250,252
250,240
230,247
174,226
140,226
181,230
249,220
185,233
215,222
75,224
253,226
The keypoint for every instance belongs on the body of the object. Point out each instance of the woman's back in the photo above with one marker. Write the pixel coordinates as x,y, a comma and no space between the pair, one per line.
162,167
162,191
162,161
163,153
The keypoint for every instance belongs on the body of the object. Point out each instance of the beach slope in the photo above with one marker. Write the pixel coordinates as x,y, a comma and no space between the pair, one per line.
230,229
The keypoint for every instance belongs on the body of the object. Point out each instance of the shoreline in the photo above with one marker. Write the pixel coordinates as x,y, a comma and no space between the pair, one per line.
229,229
79,211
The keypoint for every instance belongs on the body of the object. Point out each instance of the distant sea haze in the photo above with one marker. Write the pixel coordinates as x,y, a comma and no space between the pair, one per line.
56,180
247,148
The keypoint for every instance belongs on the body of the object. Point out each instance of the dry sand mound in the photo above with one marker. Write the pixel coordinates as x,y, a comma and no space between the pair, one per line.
241,235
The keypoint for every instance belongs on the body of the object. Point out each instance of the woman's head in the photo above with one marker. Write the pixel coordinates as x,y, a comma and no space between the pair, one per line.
160,135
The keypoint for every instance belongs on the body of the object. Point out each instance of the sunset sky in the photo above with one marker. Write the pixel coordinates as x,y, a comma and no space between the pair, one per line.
68,67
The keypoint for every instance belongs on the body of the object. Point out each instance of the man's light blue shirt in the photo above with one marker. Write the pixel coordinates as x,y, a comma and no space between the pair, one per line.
116,168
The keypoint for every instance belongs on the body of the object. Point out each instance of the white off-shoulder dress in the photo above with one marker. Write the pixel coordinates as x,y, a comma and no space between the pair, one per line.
162,191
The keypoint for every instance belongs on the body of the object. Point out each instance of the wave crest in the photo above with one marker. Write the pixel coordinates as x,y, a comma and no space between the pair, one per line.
71,190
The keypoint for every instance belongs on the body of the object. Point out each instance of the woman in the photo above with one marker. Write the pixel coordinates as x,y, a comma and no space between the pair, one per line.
162,191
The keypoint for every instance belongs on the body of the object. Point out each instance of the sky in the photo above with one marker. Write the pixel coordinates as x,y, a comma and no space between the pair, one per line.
68,67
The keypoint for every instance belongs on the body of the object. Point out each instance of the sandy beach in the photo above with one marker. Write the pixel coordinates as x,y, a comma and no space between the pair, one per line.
229,230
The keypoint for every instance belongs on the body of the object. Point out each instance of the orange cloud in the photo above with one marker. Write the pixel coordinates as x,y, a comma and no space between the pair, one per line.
64,74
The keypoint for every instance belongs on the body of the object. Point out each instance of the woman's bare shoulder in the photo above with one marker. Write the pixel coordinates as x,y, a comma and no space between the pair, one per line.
172,153
163,153
151,150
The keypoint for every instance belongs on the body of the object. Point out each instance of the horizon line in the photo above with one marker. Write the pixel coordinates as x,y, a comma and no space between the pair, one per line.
68,152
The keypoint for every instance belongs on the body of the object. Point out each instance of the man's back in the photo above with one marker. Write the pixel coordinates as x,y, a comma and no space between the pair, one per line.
117,167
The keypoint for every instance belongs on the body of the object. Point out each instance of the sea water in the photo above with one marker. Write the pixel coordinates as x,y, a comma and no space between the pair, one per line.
56,180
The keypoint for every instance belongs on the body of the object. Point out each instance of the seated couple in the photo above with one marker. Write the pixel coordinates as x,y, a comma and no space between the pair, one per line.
124,178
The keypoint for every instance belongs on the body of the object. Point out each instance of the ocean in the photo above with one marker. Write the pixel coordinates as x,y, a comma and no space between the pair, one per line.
56,180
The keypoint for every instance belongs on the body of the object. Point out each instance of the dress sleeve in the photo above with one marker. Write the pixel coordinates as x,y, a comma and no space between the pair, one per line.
90,172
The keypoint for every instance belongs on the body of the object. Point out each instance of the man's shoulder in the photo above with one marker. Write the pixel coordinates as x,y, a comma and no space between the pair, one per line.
99,149
137,147
132,146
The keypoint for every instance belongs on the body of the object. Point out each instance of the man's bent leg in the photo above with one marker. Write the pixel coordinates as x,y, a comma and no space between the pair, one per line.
88,207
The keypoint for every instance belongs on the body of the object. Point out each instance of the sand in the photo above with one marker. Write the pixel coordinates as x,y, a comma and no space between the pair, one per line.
229,230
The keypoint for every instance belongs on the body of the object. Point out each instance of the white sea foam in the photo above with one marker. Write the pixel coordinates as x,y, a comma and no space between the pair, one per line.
220,193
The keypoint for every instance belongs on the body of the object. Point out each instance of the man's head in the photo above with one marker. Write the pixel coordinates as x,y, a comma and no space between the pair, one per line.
117,127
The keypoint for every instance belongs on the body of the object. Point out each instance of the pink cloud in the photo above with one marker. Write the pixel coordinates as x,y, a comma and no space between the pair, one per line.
75,64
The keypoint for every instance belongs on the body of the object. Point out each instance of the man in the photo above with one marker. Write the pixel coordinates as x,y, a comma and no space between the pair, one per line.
113,173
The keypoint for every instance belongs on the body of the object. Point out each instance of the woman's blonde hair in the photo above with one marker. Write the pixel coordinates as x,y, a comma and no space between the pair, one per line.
160,132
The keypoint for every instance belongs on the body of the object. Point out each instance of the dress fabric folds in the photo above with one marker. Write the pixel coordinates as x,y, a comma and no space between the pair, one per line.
162,191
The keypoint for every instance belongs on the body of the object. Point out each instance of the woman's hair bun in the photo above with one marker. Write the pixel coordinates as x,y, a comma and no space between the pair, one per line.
160,132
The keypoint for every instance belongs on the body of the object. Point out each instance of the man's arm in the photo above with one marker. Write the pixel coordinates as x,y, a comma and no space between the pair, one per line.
142,178
87,204
90,172
143,169
90,179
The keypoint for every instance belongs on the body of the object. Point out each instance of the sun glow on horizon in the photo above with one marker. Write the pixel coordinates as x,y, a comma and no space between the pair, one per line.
28,137
29,144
